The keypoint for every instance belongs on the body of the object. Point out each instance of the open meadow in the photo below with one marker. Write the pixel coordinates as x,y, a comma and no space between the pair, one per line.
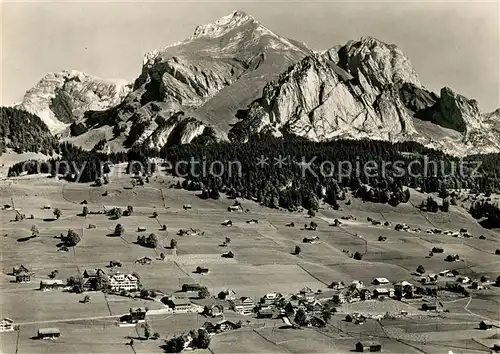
264,262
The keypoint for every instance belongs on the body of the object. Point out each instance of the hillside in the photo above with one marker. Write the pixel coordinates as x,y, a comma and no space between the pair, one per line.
22,131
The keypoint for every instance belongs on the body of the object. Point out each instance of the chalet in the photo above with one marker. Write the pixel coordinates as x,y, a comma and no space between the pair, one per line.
141,229
214,310
115,263
228,255
23,277
21,269
317,321
119,282
93,273
366,294
234,208
202,270
339,298
137,314
368,346
226,325
383,292
476,286
337,285
355,318
306,294
179,304
144,260
404,288
191,287
380,281
484,325
6,325
357,284
49,284
265,314
227,294
293,306
210,327
49,333
227,223
243,305
252,221
187,206
444,272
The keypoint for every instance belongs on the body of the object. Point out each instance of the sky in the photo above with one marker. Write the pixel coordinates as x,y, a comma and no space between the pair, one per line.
454,44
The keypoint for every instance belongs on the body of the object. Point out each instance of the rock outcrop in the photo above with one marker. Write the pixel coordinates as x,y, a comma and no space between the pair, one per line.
366,89
61,98
208,77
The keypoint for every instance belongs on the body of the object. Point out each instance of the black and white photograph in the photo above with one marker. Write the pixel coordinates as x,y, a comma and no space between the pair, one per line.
265,177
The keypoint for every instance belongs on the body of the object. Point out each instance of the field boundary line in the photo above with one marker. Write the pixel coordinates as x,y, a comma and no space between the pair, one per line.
263,337
311,275
17,340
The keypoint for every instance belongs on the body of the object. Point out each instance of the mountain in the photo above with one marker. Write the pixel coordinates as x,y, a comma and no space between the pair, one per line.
235,77
366,89
61,98
196,86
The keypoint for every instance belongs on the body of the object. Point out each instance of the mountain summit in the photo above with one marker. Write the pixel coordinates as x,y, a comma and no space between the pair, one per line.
235,76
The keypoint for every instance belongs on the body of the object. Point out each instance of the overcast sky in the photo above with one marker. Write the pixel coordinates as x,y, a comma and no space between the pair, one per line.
453,44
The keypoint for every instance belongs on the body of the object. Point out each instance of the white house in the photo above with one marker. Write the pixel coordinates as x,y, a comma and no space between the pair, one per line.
380,281
119,282
6,325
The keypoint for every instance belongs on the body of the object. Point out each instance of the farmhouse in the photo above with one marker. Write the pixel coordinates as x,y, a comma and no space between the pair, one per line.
383,292
6,325
49,333
380,281
429,307
314,239
20,269
202,270
23,277
369,346
463,280
243,305
144,260
137,315
484,325
119,282
227,294
191,287
49,284
179,305
213,310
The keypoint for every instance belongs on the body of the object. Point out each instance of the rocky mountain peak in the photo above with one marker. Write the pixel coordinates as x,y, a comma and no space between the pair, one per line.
383,64
223,25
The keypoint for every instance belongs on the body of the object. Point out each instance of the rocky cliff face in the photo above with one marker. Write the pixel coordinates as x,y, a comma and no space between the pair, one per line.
61,98
365,89
207,78
235,76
